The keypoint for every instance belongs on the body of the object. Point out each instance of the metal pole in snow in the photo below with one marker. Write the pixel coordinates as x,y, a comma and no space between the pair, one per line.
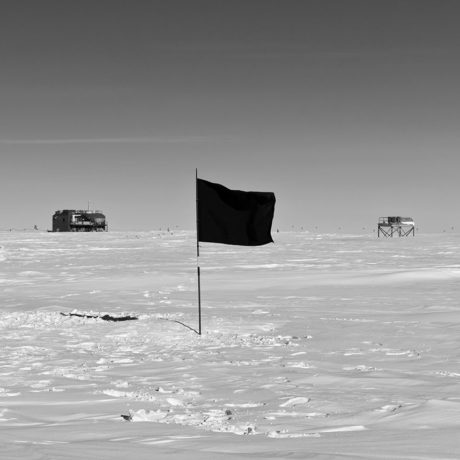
198,254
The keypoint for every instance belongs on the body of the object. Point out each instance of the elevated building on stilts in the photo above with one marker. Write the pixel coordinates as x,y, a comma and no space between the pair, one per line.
395,225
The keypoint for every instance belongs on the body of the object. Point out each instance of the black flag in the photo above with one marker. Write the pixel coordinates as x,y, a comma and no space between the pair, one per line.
232,216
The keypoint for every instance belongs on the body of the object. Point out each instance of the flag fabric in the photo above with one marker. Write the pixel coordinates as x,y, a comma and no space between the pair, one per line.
233,216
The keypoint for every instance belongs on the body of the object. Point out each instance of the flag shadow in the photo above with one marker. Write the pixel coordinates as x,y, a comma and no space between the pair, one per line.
183,324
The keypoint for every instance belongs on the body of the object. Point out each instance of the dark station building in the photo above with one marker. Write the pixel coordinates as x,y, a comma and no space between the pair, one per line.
71,220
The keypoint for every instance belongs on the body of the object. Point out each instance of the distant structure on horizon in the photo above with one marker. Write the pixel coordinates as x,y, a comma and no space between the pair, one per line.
402,226
71,220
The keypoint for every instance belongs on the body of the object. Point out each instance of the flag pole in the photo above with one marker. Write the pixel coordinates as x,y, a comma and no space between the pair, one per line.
198,253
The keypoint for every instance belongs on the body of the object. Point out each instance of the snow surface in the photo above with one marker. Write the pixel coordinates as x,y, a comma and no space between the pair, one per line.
317,346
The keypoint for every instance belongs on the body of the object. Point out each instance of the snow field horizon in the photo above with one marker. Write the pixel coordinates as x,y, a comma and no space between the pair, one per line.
322,345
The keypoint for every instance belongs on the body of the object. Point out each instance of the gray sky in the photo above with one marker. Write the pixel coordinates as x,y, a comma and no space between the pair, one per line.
347,110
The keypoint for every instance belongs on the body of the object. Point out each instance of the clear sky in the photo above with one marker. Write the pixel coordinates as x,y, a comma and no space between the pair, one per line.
348,109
